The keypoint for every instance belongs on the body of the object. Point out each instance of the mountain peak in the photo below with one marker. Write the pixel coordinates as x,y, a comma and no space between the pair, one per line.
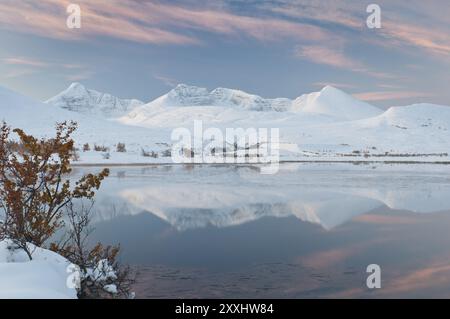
336,103
187,95
76,88
187,90
76,85
328,89
78,98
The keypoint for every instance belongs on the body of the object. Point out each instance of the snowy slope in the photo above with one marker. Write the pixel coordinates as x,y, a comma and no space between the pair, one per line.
185,95
232,108
336,103
329,103
327,125
413,129
39,119
77,98
45,277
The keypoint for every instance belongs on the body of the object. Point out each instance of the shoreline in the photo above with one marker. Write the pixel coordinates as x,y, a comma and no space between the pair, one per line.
260,164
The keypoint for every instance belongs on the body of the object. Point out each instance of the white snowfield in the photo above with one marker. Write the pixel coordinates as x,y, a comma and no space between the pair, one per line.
45,277
329,125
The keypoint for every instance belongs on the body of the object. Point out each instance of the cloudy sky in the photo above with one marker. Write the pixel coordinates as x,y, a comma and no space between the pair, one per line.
273,48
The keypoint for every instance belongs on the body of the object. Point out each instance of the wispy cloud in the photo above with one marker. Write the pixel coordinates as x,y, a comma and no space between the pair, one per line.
336,58
25,62
391,95
337,12
23,66
436,42
17,73
146,22
323,55
335,84
47,18
401,27
166,80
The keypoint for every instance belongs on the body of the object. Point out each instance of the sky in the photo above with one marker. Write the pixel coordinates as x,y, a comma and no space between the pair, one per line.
275,48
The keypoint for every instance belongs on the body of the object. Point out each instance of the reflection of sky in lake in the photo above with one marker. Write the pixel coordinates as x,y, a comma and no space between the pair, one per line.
309,231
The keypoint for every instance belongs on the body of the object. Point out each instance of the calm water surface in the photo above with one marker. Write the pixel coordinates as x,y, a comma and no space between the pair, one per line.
309,231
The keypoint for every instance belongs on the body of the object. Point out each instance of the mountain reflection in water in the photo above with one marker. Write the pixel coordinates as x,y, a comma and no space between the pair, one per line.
308,231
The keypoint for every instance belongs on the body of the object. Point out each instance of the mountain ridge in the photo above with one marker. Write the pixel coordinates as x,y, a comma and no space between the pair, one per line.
78,98
329,101
418,132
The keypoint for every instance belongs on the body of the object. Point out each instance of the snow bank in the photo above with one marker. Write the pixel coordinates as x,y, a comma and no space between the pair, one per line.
44,277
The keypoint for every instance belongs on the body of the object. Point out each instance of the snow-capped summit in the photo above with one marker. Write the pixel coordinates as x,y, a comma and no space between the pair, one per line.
185,103
329,102
186,95
335,103
78,98
325,125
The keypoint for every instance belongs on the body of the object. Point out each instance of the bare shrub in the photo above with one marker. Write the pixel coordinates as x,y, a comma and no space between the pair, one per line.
86,147
167,153
36,195
121,148
33,188
101,275
188,153
100,148
75,154
149,154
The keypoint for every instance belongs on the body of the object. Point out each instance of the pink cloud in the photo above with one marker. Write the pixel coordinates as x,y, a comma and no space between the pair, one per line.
146,22
335,57
400,29
25,62
434,41
48,18
323,55
391,95
336,12
27,66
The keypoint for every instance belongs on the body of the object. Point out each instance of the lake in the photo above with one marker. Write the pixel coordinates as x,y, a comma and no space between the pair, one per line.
309,231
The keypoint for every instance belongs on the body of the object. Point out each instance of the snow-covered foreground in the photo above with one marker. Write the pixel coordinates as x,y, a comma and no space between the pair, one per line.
44,277
329,125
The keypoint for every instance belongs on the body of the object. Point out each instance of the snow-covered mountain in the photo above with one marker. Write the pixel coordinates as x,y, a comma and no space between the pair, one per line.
39,119
335,103
326,125
79,99
329,102
185,95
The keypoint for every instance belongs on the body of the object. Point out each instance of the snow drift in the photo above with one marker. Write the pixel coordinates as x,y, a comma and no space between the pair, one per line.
44,277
